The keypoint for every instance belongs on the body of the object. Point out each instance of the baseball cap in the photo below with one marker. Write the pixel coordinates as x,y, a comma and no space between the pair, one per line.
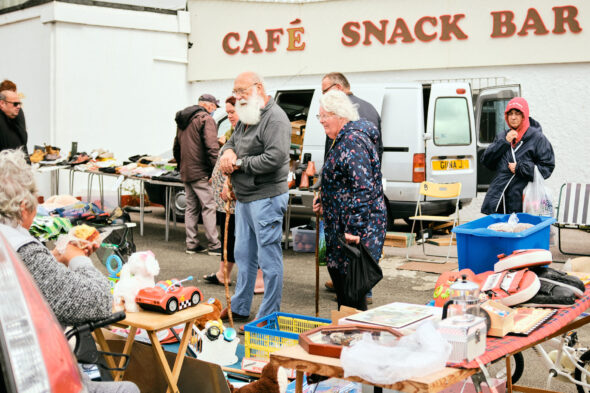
209,98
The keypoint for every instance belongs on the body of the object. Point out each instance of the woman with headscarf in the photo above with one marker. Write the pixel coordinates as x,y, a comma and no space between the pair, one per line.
351,196
514,155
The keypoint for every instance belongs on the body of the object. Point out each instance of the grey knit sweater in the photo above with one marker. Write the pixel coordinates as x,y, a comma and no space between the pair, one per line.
76,294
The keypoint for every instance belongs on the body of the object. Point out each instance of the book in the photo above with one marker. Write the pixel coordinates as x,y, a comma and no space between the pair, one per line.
527,319
395,315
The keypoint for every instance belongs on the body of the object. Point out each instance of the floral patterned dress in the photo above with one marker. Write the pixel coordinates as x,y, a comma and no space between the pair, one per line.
352,192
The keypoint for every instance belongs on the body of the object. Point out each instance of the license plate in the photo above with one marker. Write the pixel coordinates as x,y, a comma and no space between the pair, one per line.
449,165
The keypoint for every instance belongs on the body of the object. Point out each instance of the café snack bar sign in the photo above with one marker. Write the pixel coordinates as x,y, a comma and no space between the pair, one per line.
377,35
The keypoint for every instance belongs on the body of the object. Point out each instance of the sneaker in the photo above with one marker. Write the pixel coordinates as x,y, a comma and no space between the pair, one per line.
561,279
195,250
224,316
214,251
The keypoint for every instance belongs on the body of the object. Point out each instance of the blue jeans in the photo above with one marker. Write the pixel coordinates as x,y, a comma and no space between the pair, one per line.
259,230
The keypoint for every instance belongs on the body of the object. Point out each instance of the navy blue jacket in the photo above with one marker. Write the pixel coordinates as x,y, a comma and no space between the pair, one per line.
533,149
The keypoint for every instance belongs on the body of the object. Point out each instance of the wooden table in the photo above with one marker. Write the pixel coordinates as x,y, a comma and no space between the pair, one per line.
298,359
154,322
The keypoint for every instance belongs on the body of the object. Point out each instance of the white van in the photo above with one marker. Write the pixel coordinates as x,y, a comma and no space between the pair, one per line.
433,131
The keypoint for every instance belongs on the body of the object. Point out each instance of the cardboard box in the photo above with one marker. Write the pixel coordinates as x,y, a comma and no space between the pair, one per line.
400,239
297,132
502,318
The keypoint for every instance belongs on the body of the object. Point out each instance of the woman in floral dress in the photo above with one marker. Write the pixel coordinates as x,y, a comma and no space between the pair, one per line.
352,192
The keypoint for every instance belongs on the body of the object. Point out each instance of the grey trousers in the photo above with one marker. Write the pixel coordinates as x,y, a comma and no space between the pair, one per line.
199,199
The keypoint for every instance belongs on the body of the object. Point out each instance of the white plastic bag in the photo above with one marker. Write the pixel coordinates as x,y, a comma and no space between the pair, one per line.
418,354
537,199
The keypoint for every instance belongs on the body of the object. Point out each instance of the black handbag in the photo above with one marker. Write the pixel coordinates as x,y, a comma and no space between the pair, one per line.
362,273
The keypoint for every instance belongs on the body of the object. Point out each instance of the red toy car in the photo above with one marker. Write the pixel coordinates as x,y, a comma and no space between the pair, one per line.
169,296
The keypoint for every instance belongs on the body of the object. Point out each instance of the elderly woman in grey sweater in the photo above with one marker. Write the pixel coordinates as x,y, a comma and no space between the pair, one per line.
75,290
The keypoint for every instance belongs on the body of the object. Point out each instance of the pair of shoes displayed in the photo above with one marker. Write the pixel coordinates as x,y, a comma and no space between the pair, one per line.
329,286
214,251
224,316
558,289
194,250
212,279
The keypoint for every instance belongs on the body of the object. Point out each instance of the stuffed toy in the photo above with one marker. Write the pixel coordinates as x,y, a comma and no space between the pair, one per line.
212,316
273,379
137,273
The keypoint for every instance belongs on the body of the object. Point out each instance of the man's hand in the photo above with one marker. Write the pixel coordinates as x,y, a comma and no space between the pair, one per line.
227,162
512,166
352,238
511,136
317,205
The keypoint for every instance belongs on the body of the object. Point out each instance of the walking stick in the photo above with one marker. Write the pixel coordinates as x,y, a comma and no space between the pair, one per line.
225,274
317,260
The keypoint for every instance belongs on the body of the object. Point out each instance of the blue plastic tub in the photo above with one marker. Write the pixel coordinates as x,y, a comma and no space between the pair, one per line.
478,247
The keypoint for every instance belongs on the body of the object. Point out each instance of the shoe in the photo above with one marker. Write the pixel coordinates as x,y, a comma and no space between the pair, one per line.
310,169
214,251
224,316
369,299
330,286
195,250
552,295
561,279
212,279
241,330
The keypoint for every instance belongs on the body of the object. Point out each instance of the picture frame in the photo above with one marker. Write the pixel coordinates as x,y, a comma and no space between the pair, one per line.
329,340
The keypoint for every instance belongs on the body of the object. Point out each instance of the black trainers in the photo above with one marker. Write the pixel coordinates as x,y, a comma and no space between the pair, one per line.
561,279
551,295
195,250
214,251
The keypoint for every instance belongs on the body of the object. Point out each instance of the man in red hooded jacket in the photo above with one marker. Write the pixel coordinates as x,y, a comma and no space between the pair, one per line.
514,155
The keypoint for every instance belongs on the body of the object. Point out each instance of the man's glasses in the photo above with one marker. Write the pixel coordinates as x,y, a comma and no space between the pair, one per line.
327,89
241,92
14,103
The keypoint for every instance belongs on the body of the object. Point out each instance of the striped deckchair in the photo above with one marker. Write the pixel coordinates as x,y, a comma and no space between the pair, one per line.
573,210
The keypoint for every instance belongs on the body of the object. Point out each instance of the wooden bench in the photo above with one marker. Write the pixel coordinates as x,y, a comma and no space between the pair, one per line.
573,210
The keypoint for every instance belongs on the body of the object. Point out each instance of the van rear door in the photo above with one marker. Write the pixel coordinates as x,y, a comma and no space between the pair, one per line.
450,137
489,121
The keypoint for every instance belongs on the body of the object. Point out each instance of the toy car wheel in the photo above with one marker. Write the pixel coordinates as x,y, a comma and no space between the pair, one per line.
172,306
195,298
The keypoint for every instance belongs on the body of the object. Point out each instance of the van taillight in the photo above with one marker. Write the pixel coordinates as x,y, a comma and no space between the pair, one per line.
419,168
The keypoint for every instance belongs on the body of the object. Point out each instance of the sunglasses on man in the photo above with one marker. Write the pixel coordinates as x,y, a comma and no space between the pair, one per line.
14,103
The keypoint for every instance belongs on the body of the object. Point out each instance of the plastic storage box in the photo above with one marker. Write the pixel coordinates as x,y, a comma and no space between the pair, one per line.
276,331
478,247
303,239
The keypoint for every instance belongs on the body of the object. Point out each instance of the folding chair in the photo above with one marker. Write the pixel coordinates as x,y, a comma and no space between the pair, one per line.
573,210
442,191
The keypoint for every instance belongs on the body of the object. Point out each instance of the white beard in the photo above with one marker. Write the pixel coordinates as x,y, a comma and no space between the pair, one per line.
248,110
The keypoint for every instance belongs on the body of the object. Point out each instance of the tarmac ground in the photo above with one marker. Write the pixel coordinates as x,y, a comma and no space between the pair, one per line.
299,280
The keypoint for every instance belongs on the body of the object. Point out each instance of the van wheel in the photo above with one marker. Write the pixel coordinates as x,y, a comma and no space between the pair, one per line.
390,219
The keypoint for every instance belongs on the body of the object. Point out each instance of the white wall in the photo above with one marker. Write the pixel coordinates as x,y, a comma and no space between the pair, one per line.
104,77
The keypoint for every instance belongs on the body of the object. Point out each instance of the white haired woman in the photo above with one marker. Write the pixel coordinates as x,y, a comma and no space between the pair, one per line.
352,193
75,290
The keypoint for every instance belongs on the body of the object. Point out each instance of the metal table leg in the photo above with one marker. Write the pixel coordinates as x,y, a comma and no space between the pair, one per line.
141,206
167,207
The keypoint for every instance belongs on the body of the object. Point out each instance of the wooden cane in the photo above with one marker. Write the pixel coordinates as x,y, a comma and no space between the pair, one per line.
225,274
317,260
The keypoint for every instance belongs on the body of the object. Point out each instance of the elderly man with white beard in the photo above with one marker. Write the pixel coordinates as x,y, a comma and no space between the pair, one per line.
257,158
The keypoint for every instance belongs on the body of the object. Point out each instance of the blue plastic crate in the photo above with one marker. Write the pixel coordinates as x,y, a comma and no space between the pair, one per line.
275,331
478,247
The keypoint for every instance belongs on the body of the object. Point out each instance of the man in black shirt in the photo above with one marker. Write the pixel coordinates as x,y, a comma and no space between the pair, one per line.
13,131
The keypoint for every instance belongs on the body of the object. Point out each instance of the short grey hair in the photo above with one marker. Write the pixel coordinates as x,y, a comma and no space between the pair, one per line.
337,102
18,186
